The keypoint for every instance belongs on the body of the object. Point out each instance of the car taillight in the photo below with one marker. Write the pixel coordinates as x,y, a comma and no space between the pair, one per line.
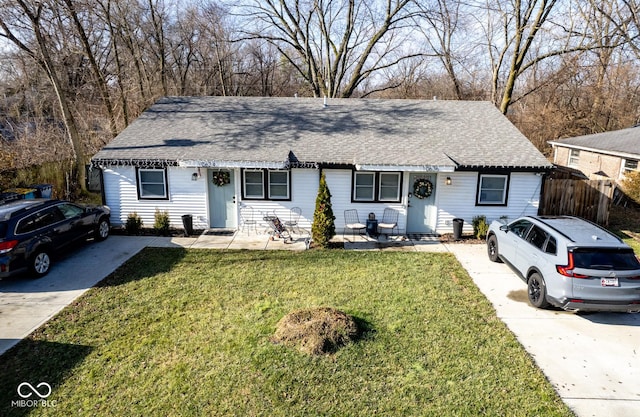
7,246
567,270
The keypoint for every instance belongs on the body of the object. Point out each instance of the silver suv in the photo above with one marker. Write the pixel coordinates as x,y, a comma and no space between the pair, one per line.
568,262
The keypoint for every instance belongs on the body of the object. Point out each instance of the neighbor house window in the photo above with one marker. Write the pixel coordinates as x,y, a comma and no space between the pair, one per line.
152,184
492,189
376,186
630,165
259,184
574,157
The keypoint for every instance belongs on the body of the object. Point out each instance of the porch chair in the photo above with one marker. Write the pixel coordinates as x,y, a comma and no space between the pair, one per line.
247,219
351,221
294,218
389,221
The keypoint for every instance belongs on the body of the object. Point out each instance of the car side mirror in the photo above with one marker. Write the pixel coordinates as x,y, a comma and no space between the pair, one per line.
504,228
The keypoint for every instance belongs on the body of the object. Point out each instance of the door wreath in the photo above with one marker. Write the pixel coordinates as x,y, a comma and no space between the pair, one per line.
422,188
221,178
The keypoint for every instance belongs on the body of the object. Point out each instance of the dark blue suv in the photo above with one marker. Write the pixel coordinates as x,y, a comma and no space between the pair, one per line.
31,231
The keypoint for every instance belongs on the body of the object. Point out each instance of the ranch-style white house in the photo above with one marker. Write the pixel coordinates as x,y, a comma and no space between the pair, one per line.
210,156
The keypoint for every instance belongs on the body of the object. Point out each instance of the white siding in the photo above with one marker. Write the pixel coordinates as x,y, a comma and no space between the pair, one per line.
185,197
190,197
458,200
304,188
339,182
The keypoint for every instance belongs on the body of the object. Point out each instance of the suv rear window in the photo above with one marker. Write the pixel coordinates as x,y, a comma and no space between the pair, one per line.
599,258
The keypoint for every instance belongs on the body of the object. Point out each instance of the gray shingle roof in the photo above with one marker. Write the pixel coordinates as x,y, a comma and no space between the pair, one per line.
416,133
620,142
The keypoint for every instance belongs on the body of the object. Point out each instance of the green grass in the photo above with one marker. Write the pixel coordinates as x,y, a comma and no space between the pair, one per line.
186,333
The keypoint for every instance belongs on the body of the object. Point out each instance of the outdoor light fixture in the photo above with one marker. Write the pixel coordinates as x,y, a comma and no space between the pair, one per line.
194,176
448,181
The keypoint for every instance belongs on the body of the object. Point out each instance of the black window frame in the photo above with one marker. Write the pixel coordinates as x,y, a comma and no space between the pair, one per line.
139,184
376,186
266,185
506,176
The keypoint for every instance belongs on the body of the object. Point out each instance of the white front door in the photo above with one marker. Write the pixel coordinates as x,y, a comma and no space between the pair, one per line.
421,211
222,201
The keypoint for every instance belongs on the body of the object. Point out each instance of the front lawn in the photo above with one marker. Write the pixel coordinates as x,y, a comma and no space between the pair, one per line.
186,333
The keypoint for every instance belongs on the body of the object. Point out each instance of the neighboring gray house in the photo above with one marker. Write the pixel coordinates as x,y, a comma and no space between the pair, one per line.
272,151
600,155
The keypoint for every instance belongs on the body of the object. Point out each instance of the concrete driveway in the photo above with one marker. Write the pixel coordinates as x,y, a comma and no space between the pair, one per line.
26,304
592,360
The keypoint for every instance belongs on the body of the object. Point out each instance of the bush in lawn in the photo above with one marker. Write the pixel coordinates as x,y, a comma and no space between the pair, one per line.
631,185
134,224
480,226
316,331
161,225
323,227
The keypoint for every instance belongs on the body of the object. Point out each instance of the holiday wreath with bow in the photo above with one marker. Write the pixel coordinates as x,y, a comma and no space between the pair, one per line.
422,188
221,178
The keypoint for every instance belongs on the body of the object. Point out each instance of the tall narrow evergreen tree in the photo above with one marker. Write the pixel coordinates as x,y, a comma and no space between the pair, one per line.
323,228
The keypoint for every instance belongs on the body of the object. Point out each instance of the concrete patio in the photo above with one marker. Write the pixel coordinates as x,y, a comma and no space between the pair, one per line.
298,242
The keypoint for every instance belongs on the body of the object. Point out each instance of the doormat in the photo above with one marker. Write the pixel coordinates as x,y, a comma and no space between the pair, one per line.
219,232
424,236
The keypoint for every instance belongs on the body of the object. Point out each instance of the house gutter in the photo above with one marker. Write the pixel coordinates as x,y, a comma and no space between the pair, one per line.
406,168
620,154
233,164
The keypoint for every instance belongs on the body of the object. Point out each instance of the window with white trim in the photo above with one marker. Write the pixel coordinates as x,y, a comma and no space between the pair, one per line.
376,186
492,189
279,185
389,188
630,165
260,184
253,184
364,186
574,157
152,184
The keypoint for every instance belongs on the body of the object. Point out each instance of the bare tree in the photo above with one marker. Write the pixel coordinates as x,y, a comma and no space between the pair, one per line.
441,22
22,23
521,34
98,74
333,44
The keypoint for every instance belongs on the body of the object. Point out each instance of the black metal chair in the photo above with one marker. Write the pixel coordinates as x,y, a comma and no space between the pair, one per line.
389,221
247,219
294,219
352,222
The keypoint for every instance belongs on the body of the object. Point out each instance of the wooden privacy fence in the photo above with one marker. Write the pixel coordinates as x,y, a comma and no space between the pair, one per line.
589,199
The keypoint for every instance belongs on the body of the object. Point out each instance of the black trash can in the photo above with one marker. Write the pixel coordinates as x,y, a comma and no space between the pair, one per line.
44,190
457,228
187,222
372,228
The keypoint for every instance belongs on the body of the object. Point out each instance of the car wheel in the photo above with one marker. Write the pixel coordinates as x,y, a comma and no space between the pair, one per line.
492,249
102,230
537,291
41,263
